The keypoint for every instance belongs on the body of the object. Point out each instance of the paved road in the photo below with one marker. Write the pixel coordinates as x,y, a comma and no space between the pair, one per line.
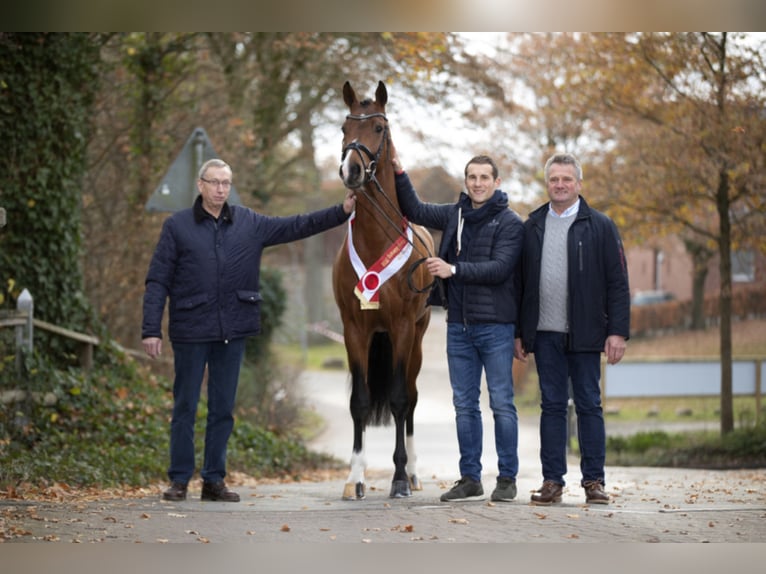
649,504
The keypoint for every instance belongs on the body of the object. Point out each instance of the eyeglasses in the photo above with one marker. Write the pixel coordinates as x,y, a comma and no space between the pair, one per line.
226,184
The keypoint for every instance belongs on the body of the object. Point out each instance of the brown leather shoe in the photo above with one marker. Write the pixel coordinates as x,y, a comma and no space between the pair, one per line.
176,492
218,491
594,492
549,493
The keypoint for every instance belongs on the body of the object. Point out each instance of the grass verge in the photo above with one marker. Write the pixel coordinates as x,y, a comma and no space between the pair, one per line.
741,448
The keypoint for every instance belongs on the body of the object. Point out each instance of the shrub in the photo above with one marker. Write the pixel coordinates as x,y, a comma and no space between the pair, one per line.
109,425
106,426
742,448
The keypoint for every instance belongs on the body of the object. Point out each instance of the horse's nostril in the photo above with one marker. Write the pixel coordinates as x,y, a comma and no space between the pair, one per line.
351,173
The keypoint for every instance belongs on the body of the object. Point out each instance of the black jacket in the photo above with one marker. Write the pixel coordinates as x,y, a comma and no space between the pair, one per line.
490,263
598,304
210,269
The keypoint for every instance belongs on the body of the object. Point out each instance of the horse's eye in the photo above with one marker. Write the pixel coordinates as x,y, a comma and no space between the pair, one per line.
379,128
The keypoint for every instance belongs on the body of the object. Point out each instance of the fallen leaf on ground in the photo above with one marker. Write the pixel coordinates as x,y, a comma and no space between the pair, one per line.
459,520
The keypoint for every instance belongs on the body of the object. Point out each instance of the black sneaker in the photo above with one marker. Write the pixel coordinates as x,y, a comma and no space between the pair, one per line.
465,489
505,491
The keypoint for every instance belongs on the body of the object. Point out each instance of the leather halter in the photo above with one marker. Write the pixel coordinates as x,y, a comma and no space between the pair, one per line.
362,150
369,176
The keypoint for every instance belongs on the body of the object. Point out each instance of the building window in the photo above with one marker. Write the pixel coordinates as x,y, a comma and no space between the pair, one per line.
743,266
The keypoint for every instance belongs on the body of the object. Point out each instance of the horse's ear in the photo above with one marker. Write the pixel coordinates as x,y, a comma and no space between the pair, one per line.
349,96
381,94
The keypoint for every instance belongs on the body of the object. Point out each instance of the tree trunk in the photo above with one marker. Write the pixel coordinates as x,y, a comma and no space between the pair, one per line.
727,407
701,256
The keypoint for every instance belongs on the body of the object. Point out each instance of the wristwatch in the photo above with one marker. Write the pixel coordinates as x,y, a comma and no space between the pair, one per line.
453,269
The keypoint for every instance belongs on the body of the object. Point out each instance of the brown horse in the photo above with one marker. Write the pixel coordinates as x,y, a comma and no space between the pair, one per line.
381,292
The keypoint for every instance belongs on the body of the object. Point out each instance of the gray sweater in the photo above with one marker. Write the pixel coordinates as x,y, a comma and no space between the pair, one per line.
553,275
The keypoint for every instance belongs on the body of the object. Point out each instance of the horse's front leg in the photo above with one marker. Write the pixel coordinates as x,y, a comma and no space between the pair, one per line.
354,489
400,408
412,457
413,369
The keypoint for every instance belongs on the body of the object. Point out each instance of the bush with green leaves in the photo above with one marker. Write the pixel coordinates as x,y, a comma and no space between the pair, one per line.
106,426
48,83
109,426
744,447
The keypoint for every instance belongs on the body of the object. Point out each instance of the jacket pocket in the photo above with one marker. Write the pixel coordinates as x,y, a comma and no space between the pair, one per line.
191,302
249,296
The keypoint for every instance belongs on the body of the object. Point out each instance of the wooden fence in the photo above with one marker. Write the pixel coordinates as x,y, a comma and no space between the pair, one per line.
23,320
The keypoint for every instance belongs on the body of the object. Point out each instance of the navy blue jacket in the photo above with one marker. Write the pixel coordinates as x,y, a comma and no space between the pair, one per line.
598,304
210,269
487,273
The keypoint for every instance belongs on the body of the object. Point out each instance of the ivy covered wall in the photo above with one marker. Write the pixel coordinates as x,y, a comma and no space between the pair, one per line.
47,87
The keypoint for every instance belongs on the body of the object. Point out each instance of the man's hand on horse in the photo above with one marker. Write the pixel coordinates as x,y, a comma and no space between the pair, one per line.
398,168
438,267
349,202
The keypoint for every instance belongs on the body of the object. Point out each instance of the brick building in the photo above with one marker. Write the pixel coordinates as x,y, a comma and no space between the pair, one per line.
668,267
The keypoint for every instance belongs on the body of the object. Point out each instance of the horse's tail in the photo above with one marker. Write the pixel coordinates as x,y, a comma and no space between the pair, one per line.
380,377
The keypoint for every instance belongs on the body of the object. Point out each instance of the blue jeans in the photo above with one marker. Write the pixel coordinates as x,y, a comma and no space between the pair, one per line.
471,348
555,367
223,361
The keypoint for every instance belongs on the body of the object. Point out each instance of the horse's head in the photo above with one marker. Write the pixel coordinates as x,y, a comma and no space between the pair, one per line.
365,134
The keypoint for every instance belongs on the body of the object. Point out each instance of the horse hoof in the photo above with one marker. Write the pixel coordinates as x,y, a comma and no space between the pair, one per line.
400,489
415,483
353,491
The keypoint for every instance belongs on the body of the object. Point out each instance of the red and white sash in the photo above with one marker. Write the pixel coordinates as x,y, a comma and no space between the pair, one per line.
371,280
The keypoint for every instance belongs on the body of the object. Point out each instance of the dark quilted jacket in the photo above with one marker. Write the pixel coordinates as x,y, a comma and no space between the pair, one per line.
209,270
493,254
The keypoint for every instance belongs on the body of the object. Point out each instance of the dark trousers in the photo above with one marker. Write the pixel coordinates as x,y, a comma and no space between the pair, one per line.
555,368
223,361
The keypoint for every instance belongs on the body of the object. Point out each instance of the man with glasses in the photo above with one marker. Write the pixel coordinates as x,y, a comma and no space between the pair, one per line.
575,305
207,263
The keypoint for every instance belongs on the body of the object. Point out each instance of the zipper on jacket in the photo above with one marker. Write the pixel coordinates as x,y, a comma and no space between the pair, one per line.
579,254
